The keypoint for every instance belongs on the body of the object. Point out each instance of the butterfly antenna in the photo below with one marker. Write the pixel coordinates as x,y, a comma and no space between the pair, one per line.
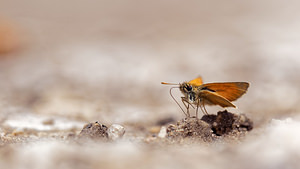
175,99
169,83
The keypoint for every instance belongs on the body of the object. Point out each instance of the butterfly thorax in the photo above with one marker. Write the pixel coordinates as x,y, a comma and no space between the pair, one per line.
189,91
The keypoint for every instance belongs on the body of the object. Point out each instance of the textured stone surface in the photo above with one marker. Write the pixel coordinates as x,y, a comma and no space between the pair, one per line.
94,131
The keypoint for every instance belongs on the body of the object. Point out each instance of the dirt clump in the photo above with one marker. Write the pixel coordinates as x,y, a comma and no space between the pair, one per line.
225,122
210,127
94,131
190,127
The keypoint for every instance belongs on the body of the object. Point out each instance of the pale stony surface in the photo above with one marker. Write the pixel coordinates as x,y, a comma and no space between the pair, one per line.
68,63
115,132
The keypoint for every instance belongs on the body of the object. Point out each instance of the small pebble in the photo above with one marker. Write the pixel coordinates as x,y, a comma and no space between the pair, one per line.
115,131
154,129
163,132
48,122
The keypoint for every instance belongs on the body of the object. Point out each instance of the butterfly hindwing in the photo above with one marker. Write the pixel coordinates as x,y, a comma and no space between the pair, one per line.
214,99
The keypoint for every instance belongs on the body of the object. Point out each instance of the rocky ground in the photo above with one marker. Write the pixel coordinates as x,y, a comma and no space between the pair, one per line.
80,84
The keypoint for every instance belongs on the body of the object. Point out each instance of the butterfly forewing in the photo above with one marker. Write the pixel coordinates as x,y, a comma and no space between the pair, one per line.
229,90
196,82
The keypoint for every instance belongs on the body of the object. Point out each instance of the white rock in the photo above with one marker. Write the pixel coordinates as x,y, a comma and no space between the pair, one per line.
115,131
163,132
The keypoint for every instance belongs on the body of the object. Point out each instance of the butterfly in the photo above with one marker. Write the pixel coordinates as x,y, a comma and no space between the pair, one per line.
198,94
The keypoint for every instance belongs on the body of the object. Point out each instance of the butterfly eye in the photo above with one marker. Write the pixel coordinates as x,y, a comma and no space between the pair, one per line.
189,88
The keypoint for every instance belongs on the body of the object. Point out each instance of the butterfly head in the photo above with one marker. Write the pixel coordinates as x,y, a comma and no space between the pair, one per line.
188,90
185,87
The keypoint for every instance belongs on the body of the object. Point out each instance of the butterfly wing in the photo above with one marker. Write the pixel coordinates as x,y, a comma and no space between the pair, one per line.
196,82
228,90
212,98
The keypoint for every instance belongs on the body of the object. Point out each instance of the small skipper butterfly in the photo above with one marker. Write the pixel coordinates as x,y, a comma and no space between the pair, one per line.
199,94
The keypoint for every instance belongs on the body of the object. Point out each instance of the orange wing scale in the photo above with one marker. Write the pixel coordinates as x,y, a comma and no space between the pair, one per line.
230,90
196,82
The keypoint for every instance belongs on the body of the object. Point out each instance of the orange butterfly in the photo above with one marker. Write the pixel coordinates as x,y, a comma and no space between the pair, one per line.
199,94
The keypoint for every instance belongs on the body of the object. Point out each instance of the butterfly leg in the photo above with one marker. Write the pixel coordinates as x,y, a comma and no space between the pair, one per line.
204,108
187,106
198,104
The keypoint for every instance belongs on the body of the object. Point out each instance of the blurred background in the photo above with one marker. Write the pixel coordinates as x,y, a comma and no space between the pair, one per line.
64,63
103,60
